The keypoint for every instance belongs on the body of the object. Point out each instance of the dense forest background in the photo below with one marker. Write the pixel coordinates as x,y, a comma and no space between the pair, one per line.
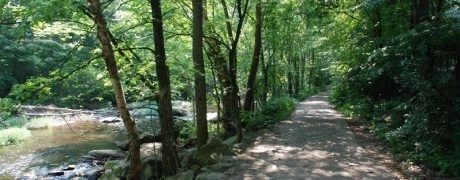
394,64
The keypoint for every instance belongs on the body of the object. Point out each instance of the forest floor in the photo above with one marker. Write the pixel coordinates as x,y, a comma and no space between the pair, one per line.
315,142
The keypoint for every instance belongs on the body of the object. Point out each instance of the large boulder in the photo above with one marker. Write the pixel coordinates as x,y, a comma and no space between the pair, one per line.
212,151
187,157
151,169
118,171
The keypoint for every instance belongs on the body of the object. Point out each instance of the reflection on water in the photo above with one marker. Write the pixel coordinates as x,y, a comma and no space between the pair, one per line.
54,147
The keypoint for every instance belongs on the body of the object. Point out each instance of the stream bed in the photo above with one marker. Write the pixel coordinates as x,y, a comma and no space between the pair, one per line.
54,148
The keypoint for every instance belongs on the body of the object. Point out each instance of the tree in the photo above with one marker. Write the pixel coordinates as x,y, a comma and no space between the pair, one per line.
200,78
250,85
168,140
109,58
226,67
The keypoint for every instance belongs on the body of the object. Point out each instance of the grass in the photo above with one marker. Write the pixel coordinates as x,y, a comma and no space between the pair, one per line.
13,135
39,123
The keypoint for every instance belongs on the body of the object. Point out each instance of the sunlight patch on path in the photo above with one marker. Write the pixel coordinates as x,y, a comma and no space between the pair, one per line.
313,143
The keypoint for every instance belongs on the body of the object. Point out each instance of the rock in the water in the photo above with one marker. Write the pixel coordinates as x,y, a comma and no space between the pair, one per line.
93,174
211,176
69,168
55,173
212,151
123,145
110,120
179,112
141,112
107,154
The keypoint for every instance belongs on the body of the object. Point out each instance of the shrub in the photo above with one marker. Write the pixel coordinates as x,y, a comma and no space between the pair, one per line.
275,110
16,121
13,135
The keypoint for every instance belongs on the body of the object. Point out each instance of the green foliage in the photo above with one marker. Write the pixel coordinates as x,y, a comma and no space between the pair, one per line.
404,82
275,110
188,130
15,121
13,135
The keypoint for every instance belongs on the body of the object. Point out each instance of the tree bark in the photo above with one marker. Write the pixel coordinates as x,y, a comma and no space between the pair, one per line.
168,149
231,93
109,58
249,101
200,79
226,76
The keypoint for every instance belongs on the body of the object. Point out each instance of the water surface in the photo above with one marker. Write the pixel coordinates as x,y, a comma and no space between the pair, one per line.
55,147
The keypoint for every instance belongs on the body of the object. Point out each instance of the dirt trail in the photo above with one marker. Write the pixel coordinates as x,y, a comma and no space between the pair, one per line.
315,142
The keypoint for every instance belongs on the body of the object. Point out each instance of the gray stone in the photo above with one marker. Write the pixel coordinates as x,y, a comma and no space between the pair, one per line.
211,176
117,172
107,154
230,141
144,112
186,175
151,168
94,173
56,173
188,157
212,151
69,168
123,145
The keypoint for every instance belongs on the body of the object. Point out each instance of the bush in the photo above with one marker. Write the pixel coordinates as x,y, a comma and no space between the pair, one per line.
275,110
13,135
15,121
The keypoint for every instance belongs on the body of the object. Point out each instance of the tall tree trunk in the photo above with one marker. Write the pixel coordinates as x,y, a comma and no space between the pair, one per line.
229,102
168,140
296,75
233,107
290,77
457,66
249,101
200,79
265,68
311,78
420,9
109,58
226,73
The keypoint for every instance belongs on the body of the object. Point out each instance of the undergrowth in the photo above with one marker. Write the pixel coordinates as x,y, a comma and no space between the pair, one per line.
13,135
418,130
275,110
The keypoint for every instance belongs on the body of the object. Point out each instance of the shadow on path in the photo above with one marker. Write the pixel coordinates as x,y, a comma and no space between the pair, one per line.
313,143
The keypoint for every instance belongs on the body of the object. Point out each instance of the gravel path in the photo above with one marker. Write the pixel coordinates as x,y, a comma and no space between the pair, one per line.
315,142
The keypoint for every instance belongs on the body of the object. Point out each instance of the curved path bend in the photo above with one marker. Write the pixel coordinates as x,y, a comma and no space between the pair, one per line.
315,142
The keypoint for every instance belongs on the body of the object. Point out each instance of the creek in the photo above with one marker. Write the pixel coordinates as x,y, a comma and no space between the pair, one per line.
55,148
